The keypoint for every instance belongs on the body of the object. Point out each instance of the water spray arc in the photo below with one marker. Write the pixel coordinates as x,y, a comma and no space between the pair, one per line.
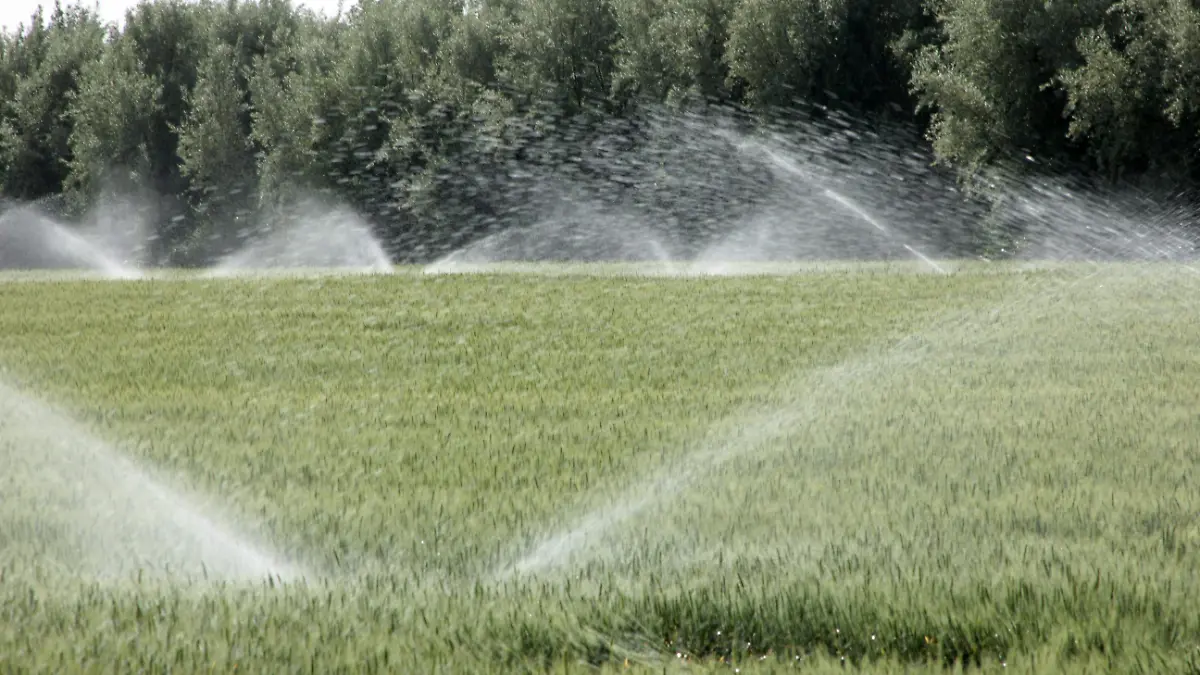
847,204
576,232
310,236
30,240
585,535
99,515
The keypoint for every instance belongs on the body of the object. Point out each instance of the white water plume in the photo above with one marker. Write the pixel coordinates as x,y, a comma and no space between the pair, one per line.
70,501
1054,220
30,240
310,236
858,211
814,391
847,204
574,233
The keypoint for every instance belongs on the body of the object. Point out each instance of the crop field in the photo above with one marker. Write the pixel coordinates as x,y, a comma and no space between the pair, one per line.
588,469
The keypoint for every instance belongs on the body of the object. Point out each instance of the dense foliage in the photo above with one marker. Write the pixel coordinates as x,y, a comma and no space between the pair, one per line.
415,111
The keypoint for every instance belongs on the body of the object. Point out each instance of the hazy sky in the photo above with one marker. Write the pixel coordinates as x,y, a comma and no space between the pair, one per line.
14,12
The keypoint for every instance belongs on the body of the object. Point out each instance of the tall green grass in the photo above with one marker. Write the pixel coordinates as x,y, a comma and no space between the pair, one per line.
891,469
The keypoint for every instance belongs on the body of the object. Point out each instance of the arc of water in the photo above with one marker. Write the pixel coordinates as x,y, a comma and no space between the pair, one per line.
85,250
862,213
557,550
80,250
122,515
849,205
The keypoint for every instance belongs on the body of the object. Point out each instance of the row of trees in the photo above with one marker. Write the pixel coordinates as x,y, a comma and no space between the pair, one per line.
417,111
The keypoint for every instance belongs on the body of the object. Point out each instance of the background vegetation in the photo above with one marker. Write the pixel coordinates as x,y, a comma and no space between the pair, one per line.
415,111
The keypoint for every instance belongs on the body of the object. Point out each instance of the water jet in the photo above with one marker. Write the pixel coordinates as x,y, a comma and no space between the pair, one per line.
574,233
30,240
310,237
849,205
75,501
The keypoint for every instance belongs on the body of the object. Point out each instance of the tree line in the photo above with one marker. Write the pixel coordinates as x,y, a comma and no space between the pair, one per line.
414,111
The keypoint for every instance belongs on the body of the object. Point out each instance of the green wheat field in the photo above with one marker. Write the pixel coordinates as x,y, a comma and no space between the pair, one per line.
591,470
